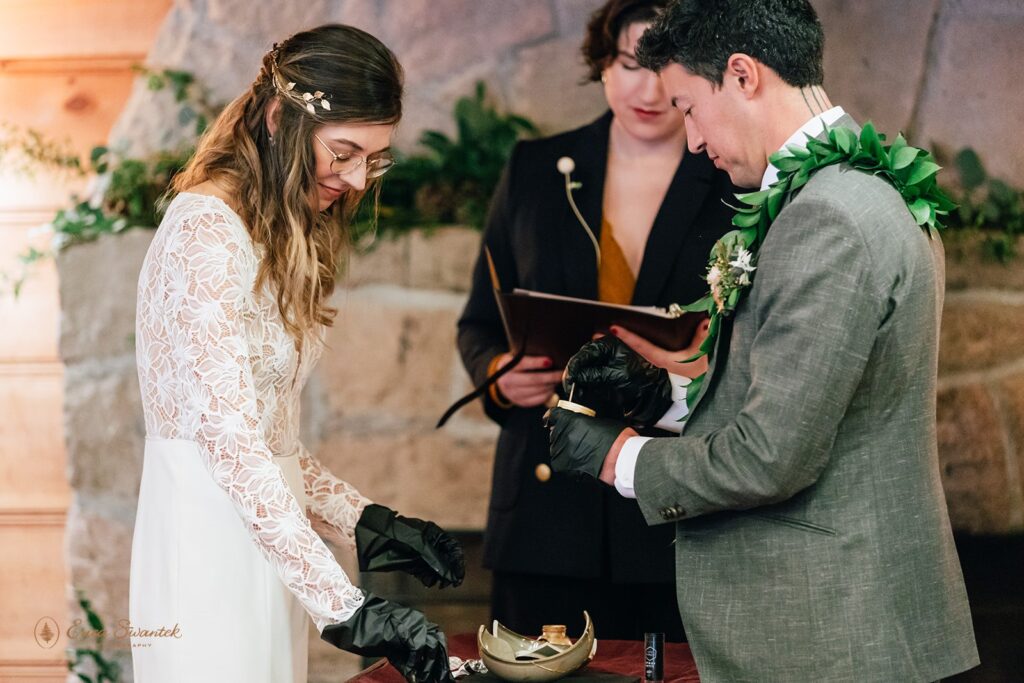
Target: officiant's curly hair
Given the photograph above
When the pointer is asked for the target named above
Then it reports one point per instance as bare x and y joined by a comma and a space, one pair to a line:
701, 35
605, 26
274, 180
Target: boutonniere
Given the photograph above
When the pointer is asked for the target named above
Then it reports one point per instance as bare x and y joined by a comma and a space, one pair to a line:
729, 273
566, 166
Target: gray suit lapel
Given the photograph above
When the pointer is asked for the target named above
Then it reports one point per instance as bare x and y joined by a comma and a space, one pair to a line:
725, 333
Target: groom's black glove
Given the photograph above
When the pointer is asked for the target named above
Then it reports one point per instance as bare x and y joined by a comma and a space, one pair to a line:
610, 376
386, 541
379, 628
580, 443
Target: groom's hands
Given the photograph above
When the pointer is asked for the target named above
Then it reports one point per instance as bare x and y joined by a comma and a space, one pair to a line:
611, 377
386, 541
589, 445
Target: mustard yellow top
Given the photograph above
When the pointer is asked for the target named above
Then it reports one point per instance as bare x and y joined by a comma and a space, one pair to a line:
615, 280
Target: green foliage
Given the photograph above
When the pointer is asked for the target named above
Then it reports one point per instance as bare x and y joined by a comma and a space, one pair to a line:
23, 150
453, 180
87, 660
988, 204
193, 101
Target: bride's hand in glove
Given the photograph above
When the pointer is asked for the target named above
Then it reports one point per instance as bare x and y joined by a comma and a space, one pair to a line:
379, 628
387, 541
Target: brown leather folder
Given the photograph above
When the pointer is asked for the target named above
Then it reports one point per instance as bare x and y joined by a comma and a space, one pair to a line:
557, 326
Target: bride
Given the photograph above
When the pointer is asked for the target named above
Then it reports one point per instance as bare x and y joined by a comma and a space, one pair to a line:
232, 306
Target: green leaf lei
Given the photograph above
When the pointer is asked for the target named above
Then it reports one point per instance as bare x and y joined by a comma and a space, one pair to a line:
733, 258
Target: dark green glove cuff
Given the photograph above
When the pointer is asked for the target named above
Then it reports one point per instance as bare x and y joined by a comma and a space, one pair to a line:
386, 541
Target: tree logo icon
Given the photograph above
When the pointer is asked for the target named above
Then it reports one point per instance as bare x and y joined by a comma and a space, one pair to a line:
47, 633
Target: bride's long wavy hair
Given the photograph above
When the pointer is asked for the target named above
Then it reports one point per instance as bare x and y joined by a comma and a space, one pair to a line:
274, 182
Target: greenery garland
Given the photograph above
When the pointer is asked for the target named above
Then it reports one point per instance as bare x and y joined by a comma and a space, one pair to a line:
910, 170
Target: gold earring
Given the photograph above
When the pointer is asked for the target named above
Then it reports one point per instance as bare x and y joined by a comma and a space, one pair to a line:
604, 77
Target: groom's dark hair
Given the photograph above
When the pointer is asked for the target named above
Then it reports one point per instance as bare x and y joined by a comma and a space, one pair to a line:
701, 35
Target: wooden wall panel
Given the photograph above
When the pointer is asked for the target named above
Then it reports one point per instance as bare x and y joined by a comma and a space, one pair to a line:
73, 107
33, 557
48, 28
30, 321
31, 440
65, 69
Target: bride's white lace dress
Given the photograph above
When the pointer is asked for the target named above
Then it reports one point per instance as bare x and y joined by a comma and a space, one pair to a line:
225, 543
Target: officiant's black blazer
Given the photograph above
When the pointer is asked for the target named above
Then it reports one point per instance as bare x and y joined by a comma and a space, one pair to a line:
569, 527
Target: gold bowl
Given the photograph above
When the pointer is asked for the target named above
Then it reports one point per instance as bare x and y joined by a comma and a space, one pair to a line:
514, 657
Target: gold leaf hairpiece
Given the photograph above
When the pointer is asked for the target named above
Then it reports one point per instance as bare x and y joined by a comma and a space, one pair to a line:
310, 100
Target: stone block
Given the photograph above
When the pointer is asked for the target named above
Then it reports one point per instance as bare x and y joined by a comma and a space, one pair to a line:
387, 262
971, 96
443, 258
434, 38
431, 108
875, 57
419, 472
104, 428
968, 266
390, 354
545, 86
98, 283
362, 14
224, 58
328, 664
980, 332
98, 548
973, 460
268, 21
573, 16
1012, 393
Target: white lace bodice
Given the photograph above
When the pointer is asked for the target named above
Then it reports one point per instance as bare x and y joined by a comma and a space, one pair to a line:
217, 367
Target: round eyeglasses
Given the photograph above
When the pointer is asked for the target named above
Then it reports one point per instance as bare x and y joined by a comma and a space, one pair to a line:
347, 162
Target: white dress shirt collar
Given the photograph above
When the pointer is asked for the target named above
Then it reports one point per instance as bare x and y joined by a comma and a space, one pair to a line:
812, 128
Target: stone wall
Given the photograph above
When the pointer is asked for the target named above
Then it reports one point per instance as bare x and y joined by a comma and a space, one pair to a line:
941, 70
981, 389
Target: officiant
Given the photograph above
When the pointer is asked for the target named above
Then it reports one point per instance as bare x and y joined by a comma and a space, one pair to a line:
651, 211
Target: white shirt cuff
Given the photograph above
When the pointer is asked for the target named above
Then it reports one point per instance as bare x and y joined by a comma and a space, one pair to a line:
670, 421
625, 466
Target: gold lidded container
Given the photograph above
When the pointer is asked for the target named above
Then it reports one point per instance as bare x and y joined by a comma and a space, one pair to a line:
555, 634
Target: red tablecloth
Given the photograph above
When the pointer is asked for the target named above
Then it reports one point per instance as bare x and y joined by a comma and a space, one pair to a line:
624, 657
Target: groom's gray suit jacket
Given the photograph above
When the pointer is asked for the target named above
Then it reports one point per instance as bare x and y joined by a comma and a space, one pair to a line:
812, 537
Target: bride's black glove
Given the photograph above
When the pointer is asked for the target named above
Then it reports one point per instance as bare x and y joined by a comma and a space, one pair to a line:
413, 645
386, 541
618, 382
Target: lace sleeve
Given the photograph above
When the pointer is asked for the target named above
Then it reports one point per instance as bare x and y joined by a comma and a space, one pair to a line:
205, 319
334, 505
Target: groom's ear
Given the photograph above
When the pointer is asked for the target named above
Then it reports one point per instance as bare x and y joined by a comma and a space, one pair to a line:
743, 73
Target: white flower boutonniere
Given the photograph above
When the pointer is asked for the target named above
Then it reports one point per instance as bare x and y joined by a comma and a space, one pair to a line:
729, 273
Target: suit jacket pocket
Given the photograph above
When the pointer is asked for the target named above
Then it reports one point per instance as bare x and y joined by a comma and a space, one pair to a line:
800, 524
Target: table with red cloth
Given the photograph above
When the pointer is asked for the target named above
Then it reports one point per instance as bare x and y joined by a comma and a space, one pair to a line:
623, 657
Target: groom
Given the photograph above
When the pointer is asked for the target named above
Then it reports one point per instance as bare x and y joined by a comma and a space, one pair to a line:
812, 537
